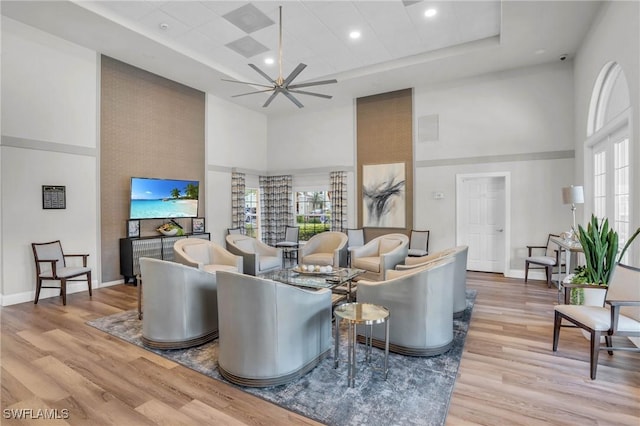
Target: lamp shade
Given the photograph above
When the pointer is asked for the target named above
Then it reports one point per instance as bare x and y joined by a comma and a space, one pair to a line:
573, 195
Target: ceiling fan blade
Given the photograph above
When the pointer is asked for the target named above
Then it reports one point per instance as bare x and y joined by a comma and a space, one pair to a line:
302, 92
273, 95
294, 74
253, 93
292, 98
245, 82
262, 73
312, 83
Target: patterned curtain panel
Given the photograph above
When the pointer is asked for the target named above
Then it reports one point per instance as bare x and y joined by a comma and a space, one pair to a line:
237, 200
338, 188
276, 207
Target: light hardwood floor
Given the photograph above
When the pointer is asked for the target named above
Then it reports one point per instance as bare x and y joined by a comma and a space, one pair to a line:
508, 375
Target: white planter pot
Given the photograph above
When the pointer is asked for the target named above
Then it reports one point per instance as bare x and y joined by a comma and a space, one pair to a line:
594, 296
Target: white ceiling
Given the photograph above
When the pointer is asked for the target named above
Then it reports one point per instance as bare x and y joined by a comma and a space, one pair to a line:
399, 46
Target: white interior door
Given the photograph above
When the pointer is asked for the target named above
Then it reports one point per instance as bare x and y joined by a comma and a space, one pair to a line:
481, 222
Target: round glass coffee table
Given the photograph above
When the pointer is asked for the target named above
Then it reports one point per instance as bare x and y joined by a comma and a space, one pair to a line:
365, 314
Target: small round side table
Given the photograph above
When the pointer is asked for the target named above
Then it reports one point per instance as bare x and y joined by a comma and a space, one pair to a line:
360, 314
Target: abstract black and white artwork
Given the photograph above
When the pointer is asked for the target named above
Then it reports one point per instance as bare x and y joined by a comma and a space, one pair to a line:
383, 195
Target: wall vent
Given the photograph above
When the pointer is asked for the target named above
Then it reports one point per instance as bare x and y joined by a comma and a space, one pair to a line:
428, 130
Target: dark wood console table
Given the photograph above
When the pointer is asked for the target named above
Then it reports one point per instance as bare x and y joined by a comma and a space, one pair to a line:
155, 246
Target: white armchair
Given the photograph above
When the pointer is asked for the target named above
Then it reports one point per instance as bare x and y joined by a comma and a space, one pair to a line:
379, 255
206, 255
257, 256
326, 248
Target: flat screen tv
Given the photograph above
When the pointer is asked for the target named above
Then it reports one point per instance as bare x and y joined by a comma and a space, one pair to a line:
163, 198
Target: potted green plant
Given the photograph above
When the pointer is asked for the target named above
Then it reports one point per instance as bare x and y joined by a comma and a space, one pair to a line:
600, 245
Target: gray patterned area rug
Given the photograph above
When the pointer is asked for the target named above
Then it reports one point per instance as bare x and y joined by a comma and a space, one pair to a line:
416, 392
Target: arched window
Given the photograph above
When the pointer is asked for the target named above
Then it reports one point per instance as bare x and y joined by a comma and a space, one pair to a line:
608, 148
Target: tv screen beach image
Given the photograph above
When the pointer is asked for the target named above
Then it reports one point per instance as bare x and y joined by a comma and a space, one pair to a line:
163, 198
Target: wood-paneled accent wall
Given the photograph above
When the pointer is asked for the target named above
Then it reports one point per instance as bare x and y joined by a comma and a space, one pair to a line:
385, 135
149, 127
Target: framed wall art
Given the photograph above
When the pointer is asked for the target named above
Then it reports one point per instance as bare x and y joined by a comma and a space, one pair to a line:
133, 228
197, 225
384, 195
54, 197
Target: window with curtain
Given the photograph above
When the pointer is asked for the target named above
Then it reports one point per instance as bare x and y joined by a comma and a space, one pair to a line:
338, 194
251, 225
276, 207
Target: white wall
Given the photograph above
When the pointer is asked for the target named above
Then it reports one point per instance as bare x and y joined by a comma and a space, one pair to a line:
50, 93
309, 145
306, 140
519, 111
49, 137
517, 121
236, 139
614, 36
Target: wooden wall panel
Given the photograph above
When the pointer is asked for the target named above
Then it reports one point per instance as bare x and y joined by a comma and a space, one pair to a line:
149, 127
385, 135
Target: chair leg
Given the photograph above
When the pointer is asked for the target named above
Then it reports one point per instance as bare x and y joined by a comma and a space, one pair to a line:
607, 340
89, 282
595, 350
38, 287
556, 330
549, 275
63, 291
526, 271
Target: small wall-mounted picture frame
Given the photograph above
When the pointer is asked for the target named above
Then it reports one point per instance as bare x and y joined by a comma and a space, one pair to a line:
133, 228
197, 225
54, 197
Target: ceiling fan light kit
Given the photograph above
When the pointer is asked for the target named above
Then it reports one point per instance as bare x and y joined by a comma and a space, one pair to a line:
281, 84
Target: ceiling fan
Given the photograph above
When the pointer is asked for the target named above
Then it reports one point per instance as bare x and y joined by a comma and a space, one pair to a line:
283, 85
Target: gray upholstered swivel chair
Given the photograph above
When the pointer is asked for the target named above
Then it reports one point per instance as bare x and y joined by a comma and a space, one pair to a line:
326, 248
421, 305
270, 333
257, 256
459, 254
380, 255
206, 255
180, 305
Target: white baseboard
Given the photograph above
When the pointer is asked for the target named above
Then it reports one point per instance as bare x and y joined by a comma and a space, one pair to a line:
45, 293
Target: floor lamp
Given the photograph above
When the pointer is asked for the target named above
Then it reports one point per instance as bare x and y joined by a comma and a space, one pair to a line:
573, 195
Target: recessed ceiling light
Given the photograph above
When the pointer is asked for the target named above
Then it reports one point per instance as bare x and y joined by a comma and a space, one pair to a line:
164, 26
354, 34
268, 61
429, 13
